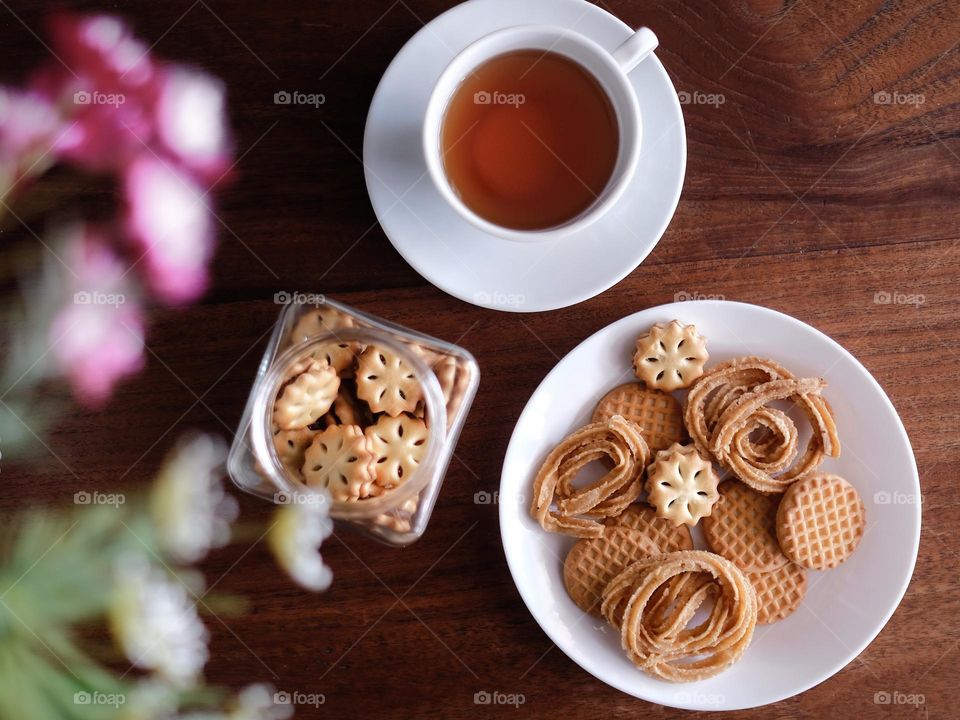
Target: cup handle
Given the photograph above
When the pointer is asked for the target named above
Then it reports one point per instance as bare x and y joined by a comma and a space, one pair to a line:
635, 49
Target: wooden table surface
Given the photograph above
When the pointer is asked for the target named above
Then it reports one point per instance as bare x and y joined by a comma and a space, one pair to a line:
805, 192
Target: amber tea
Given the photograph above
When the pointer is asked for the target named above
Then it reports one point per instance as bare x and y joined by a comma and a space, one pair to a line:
529, 140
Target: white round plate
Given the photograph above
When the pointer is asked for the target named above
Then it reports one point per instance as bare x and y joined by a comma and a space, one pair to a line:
844, 608
489, 271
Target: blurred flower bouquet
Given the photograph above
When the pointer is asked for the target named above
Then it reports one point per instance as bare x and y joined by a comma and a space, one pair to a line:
122, 566
157, 131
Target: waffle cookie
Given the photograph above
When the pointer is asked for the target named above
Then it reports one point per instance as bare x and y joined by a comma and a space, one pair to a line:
742, 527
658, 414
820, 521
779, 593
664, 534
592, 563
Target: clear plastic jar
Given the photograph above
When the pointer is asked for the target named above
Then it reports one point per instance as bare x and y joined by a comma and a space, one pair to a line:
447, 376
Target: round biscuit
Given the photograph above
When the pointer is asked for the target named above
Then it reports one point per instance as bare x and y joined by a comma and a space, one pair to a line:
820, 521
779, 592
664, 534
594, 562
742, 528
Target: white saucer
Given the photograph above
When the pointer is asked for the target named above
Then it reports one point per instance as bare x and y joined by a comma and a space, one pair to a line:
844, 608
482, 269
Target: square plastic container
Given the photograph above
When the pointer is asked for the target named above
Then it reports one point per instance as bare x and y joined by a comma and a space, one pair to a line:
313, 329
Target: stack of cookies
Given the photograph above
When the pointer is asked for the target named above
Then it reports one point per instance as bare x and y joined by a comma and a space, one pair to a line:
774, 516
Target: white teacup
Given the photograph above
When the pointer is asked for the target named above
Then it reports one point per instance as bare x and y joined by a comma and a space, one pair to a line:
610, 69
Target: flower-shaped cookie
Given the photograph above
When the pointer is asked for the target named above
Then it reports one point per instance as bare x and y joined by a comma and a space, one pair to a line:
399, 444
443, 366
322, 321
291, 445
340, 460
681, 485
319, 321
307, 398
387, 383
341, 355
670, 356
348, 409
400, 519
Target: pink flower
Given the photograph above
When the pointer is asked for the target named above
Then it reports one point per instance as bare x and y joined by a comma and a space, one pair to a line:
191, 120
108, 106
104, 137
123, 102
103, 49
107, 95
96, 338
170, 222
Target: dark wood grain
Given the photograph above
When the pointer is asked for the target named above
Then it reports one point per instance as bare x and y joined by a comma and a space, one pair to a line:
802, 193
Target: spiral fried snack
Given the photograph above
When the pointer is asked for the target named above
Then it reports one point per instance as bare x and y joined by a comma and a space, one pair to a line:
652, 601
727, 409
778, 448
717, 388
617, 439
805, 392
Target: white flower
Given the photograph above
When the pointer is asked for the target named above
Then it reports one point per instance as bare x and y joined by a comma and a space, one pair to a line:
190, 508
257, 702
155, 623
150, 699
254, 702
300, 527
